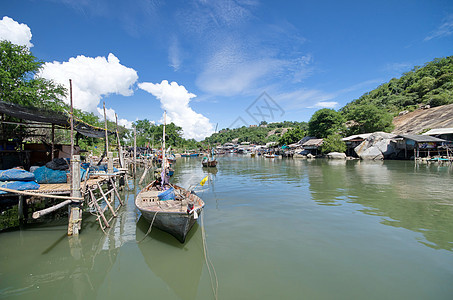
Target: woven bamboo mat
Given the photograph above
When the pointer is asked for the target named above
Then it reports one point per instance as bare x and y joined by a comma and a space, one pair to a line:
50, 188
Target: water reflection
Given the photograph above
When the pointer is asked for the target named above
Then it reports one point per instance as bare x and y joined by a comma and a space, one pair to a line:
179, 265
47, 262
413, 198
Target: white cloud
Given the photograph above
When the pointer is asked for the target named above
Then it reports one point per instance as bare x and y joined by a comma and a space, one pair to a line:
174, 54
110, 114
305, 98
326, 104
92, 79
230, 71
19, 34
445, 29
175, 100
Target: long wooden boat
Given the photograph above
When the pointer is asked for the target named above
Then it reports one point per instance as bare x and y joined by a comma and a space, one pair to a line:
173, 216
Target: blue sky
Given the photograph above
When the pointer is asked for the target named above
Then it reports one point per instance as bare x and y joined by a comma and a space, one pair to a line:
209, 62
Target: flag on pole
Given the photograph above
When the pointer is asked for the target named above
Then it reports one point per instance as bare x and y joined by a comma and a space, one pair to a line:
204, 180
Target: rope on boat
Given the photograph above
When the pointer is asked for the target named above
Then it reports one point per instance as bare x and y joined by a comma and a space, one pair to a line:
209, 263
149, 229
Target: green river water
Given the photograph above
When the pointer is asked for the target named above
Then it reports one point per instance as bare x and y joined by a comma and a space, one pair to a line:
275, 229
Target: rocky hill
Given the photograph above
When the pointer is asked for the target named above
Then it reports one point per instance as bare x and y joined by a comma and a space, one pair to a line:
421, 120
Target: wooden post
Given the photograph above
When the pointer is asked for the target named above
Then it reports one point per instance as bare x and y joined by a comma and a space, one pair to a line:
52, 156
106, 132
72, 119
75, 214
110, 169
20, 208
135, 151
110, 162
120, 150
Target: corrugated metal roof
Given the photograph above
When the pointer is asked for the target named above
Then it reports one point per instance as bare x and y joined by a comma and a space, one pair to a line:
313, 142
438, 131
420, 138
357, 136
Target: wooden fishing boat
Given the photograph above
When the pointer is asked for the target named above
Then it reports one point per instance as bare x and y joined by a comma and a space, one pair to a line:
175, 216
207, 162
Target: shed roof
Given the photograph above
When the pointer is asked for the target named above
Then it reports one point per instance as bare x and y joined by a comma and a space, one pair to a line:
437, 131
420, 138
50, 117
313, 142
356, 137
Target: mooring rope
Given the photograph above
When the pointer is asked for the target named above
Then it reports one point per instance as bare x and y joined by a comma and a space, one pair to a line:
149, 229
209, 263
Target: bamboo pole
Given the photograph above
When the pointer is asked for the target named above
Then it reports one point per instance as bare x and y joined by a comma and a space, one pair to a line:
116, 191
39, 195
98, 208
40, 213
110, 162
135, 151
106, 132
106, 200
21, 207
72, 119
53, 142
120, 150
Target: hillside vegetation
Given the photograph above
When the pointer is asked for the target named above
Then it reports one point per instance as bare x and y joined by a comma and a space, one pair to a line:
430, 85
262, 134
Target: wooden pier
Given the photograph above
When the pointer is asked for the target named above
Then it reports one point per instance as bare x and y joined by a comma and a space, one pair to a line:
98, 194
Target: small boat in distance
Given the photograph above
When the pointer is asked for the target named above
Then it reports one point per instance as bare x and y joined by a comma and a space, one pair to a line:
209, 161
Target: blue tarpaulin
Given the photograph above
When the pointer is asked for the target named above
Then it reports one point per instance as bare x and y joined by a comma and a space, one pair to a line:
19, 185
46, 175
16, 174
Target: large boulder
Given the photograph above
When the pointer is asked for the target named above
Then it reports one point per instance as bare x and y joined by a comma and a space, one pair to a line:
336, 155
378, 145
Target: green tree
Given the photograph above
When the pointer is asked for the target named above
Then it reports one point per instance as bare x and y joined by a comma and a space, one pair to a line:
369, 118
333, 143
19, 82
293, 135
325, 122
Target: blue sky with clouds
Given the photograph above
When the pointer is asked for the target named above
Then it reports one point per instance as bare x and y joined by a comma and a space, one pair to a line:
208, 62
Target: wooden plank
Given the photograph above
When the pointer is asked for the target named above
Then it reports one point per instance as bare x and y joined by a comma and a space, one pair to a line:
39, 195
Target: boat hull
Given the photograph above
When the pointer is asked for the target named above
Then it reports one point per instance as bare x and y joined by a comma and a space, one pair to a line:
176, 224
211, 163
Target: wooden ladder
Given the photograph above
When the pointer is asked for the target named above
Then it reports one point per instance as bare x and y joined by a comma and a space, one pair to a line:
103, 203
